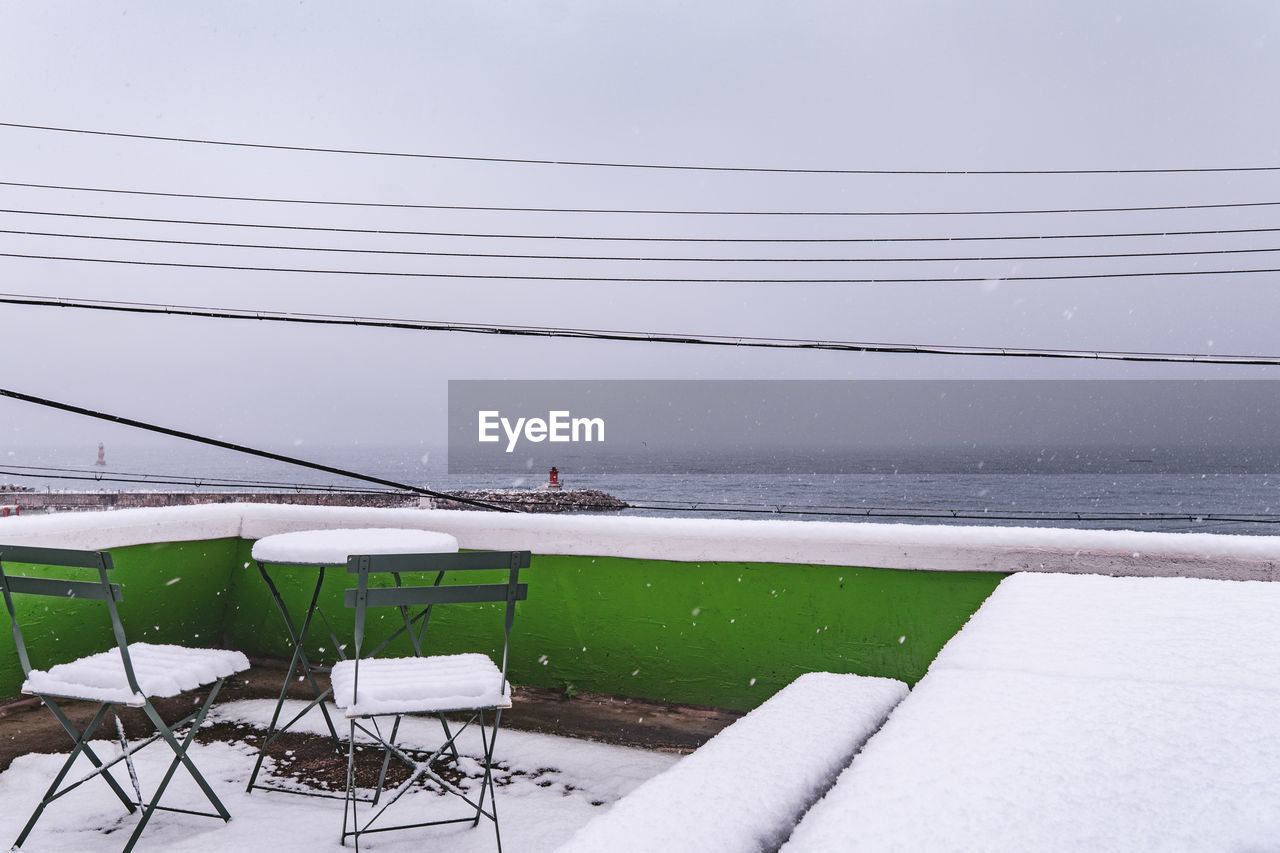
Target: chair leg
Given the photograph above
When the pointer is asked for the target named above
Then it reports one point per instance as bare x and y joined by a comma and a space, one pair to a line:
448, 736
484, 780
349, 806
76, 737
422, 768
180, 757
82, 745
150, 807
487, 784
128, 757
180, 750
386, 759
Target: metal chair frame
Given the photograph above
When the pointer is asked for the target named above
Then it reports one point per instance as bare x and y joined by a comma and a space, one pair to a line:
101, 590
403, 598
297, 636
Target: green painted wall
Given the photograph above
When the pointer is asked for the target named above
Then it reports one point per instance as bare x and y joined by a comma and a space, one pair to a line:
723, 634
173, 592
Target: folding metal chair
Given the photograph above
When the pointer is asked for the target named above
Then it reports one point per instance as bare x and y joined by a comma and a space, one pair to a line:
128, 675
470, 685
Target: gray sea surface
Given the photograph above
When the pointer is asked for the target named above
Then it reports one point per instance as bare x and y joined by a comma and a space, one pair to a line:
1161, 490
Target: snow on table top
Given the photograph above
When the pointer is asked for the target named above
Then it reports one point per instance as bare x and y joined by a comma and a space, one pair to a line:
746, 787
406, 685
1078, 713
334, 546
161, 670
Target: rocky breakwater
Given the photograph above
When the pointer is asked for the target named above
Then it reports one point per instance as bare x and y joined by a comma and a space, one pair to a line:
536, 500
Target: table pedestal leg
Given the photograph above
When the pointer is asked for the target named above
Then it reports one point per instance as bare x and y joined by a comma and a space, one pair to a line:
296, 637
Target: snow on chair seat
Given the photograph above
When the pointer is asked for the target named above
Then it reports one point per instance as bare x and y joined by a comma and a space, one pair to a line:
161, 671
430, 684
746, 788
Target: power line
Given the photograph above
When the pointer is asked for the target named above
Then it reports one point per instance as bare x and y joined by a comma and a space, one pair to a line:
1080, 514
51, 472
620, 165
195, 482
637, 279
239, 448
607, 238
651, 259
635, 336
642, 211
971, 515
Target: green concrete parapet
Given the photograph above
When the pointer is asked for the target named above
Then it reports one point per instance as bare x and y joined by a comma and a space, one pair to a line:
710, 613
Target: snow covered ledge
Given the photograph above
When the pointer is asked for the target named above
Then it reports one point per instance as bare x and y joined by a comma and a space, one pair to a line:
892, 546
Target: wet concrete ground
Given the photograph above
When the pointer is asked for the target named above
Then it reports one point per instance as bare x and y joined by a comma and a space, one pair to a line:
25, 726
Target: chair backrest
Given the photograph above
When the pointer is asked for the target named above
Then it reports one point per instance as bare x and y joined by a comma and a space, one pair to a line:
363, 596
32, 583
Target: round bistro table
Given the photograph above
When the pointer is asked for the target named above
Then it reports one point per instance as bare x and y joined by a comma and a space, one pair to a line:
319, 550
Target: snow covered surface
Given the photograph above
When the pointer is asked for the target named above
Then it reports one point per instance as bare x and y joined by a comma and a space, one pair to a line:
1079, 713
405, 685
549, 787
745, 788
314, 547
908, 546
161, 670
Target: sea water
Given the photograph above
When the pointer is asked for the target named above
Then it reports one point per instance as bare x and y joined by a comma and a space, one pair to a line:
1104, 489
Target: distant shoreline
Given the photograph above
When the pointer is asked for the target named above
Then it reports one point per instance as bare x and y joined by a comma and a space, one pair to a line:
535, 500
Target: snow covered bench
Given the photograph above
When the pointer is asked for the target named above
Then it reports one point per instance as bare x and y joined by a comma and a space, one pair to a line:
1079, 712
746, 788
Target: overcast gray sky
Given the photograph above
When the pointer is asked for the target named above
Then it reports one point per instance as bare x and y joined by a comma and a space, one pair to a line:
904, 85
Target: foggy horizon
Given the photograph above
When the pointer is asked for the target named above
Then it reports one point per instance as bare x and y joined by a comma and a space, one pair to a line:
923, 86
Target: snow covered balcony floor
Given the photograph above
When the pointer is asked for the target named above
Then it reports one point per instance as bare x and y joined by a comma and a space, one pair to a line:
564, 760
549, 787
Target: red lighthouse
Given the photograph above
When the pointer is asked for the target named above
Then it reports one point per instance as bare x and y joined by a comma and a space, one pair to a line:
553, 478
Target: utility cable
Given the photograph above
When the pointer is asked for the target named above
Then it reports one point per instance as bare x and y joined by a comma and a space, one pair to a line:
1081, 514
651, 259
647, 211
52, 472
1000, 515
621, 335
607, 238
239, 448
636, 279
161, 480
618, 165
